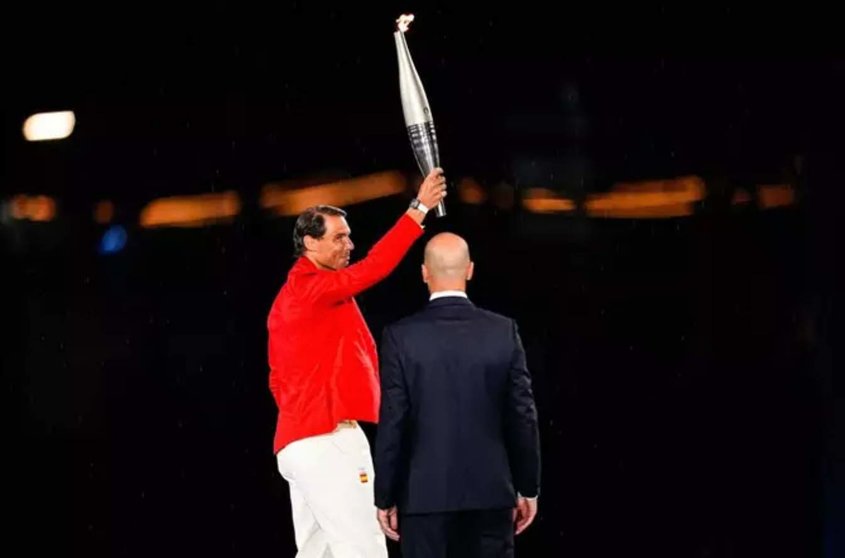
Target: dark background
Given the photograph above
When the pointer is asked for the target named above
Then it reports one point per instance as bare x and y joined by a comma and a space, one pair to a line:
683, 367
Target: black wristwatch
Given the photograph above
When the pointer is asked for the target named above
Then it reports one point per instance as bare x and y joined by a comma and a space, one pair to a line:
418, 205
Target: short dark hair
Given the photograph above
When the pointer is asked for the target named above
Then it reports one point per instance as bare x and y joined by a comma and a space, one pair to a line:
311, 223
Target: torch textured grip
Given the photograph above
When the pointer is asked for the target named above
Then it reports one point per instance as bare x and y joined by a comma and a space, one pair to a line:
424, 144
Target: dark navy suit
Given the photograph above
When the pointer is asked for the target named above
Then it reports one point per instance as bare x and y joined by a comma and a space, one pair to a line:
457, 435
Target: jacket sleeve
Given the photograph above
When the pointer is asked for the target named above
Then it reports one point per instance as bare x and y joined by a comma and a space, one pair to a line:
393, 418
521, 428
382, 259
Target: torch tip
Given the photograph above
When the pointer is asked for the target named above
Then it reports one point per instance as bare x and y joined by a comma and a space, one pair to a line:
404, 22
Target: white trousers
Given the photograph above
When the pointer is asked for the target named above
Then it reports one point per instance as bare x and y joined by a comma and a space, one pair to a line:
331, 495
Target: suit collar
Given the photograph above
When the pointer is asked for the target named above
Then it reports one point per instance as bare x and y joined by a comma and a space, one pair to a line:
449, 301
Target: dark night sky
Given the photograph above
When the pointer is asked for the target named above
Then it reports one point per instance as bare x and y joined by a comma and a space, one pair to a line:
191, 97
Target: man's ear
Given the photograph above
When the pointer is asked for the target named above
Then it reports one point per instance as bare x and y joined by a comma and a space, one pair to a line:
425, 275
470, 270
310, 243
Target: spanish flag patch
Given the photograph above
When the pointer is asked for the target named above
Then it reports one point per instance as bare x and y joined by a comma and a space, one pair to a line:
362, 476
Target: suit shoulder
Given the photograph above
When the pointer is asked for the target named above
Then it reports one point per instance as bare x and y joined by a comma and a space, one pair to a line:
410, 323
403, 324
494, 317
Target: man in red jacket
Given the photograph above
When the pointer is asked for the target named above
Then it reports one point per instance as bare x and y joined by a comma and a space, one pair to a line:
324, 376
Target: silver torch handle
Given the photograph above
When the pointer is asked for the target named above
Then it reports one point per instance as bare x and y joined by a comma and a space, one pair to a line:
417, 113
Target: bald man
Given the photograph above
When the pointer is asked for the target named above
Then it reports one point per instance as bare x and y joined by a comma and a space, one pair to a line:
457, 463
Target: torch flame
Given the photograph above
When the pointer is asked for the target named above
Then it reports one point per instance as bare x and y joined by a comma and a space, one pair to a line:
404, 21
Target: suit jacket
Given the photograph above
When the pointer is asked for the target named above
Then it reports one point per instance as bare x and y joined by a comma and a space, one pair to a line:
323, 363
457, 421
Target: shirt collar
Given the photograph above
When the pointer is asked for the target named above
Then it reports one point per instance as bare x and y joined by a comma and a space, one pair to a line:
441, 294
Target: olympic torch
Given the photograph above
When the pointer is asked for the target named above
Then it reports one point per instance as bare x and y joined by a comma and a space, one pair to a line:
415, 107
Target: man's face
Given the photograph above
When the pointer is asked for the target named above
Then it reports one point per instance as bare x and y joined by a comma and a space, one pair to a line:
332, 251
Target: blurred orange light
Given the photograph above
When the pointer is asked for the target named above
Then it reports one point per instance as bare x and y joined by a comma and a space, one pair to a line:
543, 200
104, 212
287, 201
33, 208
648, 199
471, 192
19, 207
775, 195
191, 211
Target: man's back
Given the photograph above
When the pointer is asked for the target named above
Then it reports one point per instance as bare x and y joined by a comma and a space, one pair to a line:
458, 426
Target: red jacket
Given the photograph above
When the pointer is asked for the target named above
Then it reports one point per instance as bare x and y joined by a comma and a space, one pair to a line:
323, 362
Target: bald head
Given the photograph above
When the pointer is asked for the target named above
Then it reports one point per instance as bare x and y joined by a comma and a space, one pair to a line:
447, 265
